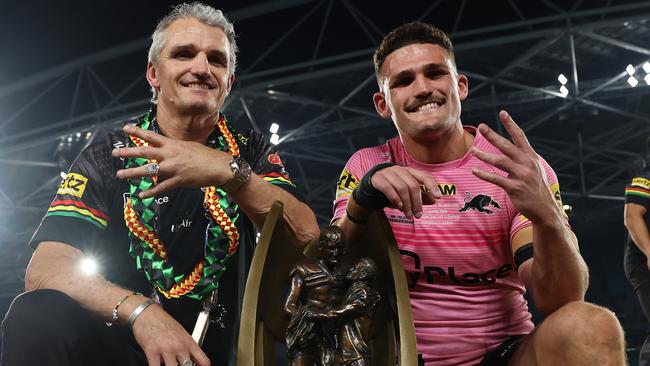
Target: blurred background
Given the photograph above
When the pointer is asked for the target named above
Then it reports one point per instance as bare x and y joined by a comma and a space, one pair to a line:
574, 74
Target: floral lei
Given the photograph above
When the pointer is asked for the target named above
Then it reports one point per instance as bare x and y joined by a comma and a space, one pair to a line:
150, 253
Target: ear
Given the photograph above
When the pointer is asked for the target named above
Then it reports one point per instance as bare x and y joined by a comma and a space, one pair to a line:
231, 83
463, 86
381, 105
152, 76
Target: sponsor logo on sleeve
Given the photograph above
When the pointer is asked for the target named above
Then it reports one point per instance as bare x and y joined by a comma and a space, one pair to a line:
641, 182
73, 185
346, 184
557, 196
555, 189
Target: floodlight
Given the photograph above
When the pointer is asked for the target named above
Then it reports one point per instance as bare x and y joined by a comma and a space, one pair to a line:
562, 79
275, 139
630, 69
647, 79
646, 67
632, 81
274, 128
564, 91
88, 266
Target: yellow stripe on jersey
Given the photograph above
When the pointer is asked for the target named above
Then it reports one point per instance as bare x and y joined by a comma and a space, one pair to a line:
77, 210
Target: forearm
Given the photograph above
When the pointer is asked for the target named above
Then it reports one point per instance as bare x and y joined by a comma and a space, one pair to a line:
346, 310
57, 266
291, 306
558, 273
638, 230
256, 197
352, 223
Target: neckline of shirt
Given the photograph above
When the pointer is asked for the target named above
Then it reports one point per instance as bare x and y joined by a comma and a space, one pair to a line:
405, 159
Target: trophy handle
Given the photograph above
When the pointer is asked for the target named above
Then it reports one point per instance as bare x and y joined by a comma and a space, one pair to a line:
263, 320
408, 346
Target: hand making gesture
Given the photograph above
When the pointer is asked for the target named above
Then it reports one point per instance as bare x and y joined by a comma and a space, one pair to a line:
526, 183
180, 163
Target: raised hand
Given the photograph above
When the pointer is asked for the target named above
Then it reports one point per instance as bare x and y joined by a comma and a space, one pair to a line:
526, 182
182, 163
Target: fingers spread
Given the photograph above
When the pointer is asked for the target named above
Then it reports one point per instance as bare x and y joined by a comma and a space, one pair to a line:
502, 182
140, 171
161, 187
146, 152
149, 136
518, 136
498, 161
500, 142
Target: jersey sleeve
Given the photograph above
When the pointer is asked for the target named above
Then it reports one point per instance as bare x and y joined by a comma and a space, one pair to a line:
79, 210
638, 191
348, 180
265, 161
520, 221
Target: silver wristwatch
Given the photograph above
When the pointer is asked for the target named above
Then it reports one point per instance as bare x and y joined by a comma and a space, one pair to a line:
241, 171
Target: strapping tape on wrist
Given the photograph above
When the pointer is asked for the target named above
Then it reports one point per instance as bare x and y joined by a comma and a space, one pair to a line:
365, 195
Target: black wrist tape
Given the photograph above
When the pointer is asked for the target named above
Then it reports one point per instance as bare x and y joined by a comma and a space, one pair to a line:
524, 253
365, 195
355, 220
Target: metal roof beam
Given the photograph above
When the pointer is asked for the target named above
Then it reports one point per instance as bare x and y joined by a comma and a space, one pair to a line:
136, 45
615, 42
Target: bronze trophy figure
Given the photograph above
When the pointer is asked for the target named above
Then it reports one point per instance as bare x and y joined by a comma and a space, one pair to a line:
354, 315
315, 286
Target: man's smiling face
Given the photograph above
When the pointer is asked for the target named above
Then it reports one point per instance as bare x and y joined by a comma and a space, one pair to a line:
421, 91
192, 75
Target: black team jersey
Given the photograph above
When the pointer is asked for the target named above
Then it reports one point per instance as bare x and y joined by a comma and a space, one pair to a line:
88, 213
637, 192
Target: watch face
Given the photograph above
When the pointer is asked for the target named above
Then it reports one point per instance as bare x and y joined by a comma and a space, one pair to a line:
234, 164
241, 174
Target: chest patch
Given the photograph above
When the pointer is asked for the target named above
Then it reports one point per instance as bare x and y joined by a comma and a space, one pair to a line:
480, 202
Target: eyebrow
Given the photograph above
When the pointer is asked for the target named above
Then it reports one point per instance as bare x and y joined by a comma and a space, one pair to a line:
426, 68
191, 47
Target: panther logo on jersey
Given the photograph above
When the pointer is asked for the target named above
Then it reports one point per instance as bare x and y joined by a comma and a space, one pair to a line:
479, 203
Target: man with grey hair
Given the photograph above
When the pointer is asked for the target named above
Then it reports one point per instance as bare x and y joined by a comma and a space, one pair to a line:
168, 206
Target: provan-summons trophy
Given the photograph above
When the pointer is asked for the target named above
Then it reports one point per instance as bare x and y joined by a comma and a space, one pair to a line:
322, 307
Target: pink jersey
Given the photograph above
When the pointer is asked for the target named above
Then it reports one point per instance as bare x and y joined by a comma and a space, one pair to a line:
466, 295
